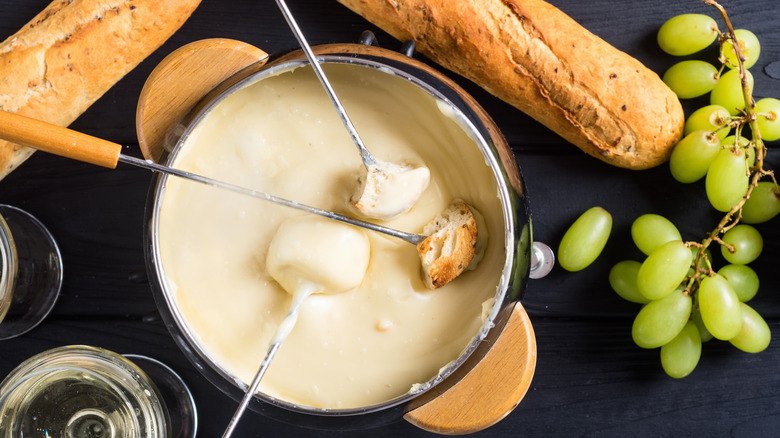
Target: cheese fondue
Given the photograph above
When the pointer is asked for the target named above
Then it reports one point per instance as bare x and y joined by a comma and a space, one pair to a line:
281, 135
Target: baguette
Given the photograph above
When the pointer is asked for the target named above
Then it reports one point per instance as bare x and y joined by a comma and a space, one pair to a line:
72, 52
536, 58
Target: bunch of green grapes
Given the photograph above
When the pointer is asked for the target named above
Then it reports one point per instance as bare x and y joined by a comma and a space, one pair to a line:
686, 301
707, 148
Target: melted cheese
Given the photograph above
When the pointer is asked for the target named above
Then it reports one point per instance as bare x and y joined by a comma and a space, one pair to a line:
374, 342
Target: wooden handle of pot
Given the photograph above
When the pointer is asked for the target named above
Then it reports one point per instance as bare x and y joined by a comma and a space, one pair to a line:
181, 80
491, 390
58, 140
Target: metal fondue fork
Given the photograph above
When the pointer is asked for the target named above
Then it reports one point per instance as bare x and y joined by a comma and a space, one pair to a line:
365, 154
71, 144
368, 160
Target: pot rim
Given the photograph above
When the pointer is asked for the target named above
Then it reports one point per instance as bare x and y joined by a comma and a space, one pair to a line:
512, 250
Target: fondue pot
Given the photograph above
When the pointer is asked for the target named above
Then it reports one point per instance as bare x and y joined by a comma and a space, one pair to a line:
491, 375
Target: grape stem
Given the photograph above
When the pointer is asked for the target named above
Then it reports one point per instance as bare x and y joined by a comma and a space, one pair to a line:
695, 277
750, 104
730, 248
750, 118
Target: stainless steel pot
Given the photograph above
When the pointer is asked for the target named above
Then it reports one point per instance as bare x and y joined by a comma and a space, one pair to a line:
515, 211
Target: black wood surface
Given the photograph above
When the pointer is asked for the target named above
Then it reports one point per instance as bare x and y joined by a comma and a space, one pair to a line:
591, 380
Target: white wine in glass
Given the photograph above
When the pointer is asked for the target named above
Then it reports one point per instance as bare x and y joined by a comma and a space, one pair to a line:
81, 392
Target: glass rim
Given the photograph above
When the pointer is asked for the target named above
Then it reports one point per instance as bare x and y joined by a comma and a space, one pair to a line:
119, 374
8, 267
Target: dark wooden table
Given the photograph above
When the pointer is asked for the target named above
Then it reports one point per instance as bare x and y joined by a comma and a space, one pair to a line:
591, 380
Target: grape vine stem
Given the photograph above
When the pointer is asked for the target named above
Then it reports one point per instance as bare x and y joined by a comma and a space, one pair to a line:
733, 216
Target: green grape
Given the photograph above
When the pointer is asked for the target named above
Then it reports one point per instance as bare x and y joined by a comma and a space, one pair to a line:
659, 321
754, 336
750, 150
650, 231
686, 34
768, 110
692, 78
743, 279
709, 118
763, 204
749, 46
681, 355
585, 239
692, 156
663, 270
704, 334
622, 278
727, 179
747, 243
719, 307
728, 91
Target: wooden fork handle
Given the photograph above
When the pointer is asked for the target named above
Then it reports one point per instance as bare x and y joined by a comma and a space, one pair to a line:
58, 140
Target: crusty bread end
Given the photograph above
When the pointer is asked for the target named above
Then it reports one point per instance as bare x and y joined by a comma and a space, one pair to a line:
71, 53
536, 58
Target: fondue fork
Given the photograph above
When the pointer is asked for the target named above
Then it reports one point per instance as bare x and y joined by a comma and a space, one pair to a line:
72, 144
276, 342
380, 176
365, 154
86, 148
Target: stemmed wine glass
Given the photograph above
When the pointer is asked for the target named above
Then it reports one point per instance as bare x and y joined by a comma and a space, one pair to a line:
30, 272
74, 391
80, 391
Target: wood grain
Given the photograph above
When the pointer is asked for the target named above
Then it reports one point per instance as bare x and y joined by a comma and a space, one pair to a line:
57, 140
491, 390
180, 81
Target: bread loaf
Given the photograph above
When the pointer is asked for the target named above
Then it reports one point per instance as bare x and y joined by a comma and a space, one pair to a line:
536, 58
71, 53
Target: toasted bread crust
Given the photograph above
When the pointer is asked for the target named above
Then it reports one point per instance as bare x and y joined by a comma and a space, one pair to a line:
450, 246
72, 52
536, 58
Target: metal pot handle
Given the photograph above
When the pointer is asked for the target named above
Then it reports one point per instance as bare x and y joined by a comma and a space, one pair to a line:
367, 38
542, 260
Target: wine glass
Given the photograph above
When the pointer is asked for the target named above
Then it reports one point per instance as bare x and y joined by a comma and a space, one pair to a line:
80, 391
30, 272
182, 411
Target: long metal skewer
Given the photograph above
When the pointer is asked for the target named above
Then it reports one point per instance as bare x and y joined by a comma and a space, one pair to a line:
412, 238
365, 154
276, 342
72, 144
368, 160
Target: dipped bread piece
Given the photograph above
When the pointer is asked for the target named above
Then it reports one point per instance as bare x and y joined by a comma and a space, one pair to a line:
536, 58
450, 246
386, 190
